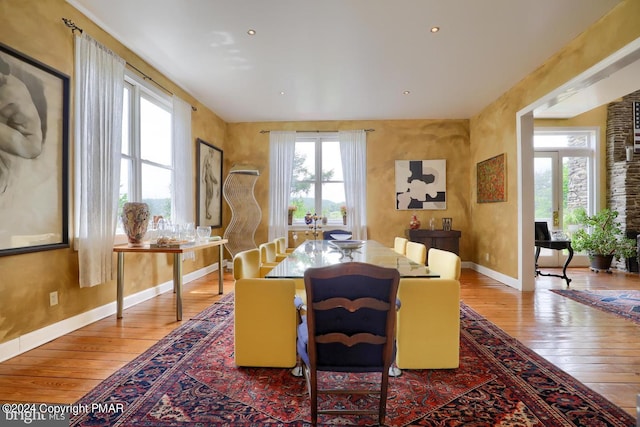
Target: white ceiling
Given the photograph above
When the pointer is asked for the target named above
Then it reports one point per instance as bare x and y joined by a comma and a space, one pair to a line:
344, 59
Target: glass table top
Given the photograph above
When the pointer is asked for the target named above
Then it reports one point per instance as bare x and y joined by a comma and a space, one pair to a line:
321, 253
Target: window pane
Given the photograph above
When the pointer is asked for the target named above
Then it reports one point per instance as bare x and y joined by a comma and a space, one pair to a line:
332, 199
155, 133
124, 196
156, 190
331, 162
543, 140
126, 127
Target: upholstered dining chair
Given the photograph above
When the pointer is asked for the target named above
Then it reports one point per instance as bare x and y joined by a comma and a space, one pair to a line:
349, 327
416, 252
327, 235
281, 248
445, 263
268, 258
246, 264
400, 245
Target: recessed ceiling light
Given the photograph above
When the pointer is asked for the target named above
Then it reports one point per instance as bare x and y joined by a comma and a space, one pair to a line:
406, 92
282, 92
251, 32
435, 29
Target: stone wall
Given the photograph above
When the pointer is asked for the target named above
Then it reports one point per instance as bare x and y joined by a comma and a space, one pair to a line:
623, 178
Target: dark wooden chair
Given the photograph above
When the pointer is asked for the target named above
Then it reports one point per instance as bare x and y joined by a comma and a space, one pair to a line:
349, 327
326, 235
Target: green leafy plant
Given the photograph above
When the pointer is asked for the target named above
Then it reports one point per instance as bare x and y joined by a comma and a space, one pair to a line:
601, 234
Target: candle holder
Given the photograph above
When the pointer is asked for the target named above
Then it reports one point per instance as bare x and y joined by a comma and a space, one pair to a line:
314, 226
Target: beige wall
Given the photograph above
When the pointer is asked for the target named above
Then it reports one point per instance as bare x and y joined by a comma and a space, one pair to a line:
391, 140
493, 130
35, 28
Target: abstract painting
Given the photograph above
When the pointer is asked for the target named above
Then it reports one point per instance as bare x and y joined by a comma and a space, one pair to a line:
492, 180
421, 184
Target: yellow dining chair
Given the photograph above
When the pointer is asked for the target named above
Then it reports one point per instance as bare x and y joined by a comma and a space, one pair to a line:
268, 258
445, 263
281, 248
416, 252
246, 264
400, 245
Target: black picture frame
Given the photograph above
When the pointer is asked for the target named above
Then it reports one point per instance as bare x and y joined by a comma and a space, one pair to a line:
209, 160
34, 159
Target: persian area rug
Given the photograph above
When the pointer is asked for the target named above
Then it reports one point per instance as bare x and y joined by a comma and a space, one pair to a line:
625, 303
189, 379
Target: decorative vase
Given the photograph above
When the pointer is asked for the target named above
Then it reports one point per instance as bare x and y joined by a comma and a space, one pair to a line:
344, 220
135, 219
414, 224
290, 217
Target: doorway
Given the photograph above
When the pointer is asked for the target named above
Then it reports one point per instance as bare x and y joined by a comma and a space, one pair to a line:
565, 165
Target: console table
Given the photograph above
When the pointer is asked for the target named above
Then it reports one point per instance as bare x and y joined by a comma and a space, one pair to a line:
557, 245
177, 268
439, 239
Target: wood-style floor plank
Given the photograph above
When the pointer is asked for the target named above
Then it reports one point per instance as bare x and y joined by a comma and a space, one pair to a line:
597, 348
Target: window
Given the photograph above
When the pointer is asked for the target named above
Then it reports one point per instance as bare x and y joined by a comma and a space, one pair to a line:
317, 185
146, 165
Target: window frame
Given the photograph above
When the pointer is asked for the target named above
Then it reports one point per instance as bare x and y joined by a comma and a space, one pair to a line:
318, 138
140, 89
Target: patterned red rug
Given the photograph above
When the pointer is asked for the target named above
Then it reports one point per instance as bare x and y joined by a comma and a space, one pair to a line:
189, 379
625, 303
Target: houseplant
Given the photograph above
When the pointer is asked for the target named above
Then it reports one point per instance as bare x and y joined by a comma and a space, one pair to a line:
602, 237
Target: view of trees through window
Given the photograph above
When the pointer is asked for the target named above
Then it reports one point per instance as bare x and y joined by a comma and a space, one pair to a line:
320, 193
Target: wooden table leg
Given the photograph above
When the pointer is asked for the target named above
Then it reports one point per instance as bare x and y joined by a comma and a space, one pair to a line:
220, 259
177, 283
120, 285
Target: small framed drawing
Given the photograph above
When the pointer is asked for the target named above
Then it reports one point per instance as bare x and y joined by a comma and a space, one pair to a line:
209, 184
34, 140
492, 179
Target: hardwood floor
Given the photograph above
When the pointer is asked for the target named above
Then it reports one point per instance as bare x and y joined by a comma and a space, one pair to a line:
599, 349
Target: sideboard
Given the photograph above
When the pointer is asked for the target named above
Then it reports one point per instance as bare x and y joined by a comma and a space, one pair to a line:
439, 239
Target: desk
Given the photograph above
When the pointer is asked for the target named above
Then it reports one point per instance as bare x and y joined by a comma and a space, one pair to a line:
321, 253
177, 268
557, 245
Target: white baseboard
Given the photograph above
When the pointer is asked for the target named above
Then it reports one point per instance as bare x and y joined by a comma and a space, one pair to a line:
41, 336
507, 280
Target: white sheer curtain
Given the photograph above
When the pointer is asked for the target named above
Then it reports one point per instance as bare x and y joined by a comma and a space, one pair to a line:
99, 86
282, 147
183, 158
353, 151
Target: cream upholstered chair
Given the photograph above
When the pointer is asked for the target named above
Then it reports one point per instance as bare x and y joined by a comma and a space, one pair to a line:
400, 245
268, 258
246, 264
445, 263
265, 323
416, 252
281, 248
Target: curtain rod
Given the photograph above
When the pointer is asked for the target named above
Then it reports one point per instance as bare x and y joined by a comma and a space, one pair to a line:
69, 23
317, 131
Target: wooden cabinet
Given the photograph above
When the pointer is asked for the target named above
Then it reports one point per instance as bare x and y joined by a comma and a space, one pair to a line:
440, 239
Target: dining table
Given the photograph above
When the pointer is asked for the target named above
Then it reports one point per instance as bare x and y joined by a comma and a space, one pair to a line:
322, 253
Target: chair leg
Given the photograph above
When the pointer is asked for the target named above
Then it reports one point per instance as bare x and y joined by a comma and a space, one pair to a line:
313, 385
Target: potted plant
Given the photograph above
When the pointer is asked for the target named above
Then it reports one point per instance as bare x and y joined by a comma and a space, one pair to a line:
601, 236
343, 212
291, 210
